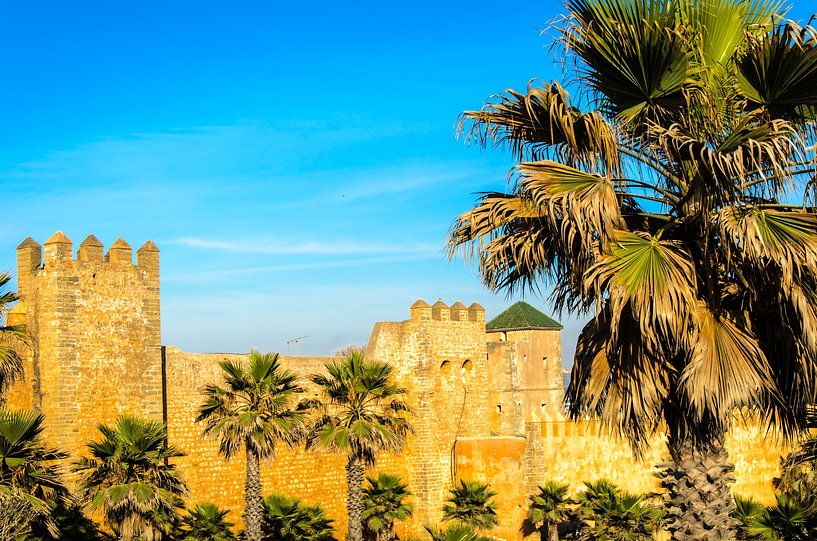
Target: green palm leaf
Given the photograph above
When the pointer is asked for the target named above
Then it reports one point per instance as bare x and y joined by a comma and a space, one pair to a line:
779, 72
637, 57
130, 478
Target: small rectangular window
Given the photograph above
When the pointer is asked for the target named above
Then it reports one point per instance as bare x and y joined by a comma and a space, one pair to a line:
499, 408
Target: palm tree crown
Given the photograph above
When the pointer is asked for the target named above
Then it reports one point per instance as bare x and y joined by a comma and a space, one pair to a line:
672, 202
613, 514
26, 463
130, 479
206, 522
287, 519
364, 411
257, 407
364, 414
471, 503
669, 206
255, 410
550, 507
11, 336
383, 503
455, 532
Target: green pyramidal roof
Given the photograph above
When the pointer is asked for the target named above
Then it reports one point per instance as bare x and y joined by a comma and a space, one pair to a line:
521, 316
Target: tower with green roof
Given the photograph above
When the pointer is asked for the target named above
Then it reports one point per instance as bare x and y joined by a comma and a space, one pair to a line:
525, 368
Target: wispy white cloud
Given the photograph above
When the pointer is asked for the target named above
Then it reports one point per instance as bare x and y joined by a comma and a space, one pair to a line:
218, 274
265, 246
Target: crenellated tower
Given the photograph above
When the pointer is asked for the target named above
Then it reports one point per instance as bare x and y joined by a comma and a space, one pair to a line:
525, 364
440, 355
95, 334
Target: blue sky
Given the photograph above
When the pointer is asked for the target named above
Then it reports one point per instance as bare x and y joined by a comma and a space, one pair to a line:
295, 162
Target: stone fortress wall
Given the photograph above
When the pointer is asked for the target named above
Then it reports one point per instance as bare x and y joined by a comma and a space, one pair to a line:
487, 402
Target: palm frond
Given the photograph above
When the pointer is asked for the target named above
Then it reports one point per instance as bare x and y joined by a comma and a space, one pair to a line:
544, 123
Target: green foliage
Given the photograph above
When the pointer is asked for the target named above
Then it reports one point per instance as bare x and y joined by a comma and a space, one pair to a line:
257, 407
748, 512
798, 480
552, 505
798, 470
205, 522
787, 521
287, 519
673, 202
612, 514
363, 414
364, 411
70, 524
454, 532
22, 516
130, 479
657, 202
11, 338
255, 410
26, 463
471, 503
384, 502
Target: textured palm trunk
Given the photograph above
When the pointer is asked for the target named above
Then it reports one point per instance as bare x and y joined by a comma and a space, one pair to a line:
553, 531
698, 498
354, 501
253, 510
387, 533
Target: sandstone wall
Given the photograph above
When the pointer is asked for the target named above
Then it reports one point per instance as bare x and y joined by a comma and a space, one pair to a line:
95, 336
314, 476
95, 352
500, 461
441, 357
573, 453
525, 379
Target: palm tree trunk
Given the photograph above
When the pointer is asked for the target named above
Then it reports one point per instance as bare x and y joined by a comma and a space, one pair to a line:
354, 501
253, 510
553, 531
698, 498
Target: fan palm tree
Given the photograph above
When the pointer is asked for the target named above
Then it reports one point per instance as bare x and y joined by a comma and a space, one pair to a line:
287, 519
383, 503
550, 507
255, 410
748, 512
129, 478
21, 515
364, 415
206, 522
612, 514
26, 463
471, 503
11, 336
671, 202
454, 532
787, 521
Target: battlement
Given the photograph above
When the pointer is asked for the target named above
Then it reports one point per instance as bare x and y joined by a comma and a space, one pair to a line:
94, 320
439, 311
58, 251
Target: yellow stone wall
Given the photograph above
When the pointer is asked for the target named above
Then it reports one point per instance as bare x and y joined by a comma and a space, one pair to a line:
525, 379
440, 356
578, 452
314, 476
95, 352
95, 336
